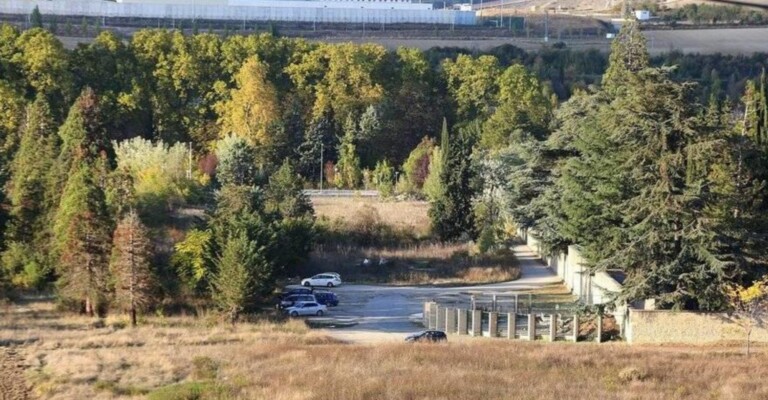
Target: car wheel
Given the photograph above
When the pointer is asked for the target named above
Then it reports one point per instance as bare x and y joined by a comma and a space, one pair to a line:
294, 314
330, 284
307, 284
319, 313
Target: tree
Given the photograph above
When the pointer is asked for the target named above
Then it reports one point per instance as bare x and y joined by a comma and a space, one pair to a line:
252, 107
82, 235
523, 110
451, 214
433, 188
416, 167
750, 306
45, 65
629, 55
285, 194
319, 143
29, 207
191, 259
349, 175
232, 288
384, 178
237, 162
130, 265
35, 18
473, 83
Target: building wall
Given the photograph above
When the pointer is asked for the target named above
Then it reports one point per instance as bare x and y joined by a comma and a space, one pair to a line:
302, 11
662, 326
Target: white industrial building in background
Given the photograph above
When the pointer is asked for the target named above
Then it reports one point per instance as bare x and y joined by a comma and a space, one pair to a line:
317, 11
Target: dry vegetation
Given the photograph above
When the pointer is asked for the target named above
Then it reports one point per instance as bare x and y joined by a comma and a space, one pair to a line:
410, 215
394, 237
168, 358
428, 263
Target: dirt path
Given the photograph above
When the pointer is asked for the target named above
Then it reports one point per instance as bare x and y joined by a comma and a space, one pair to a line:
13, 383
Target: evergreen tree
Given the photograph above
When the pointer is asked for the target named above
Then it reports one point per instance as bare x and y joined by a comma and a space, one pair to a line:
26, 259
285, 194
629, 55
319, 143
82, 235
29, 168
451, 214
130, 265
35, 18
237, 162
232, 288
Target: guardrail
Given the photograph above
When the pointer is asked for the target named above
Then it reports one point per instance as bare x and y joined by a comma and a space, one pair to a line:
341, 193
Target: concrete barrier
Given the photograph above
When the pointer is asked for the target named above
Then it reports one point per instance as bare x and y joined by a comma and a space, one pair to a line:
511, 325
477, 323
462, 318
450, 320
493, 324
531, 327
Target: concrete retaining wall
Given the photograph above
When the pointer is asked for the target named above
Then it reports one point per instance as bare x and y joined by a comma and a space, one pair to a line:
301, 11
591, 288
663, 326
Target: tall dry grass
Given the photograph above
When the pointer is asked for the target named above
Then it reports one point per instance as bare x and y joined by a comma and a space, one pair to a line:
425, 263
409, 215
68, 359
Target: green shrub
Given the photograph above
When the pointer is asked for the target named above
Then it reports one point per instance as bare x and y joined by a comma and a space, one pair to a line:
191, 391
204, 368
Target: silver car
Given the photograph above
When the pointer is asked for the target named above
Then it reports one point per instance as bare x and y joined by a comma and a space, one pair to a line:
308, 308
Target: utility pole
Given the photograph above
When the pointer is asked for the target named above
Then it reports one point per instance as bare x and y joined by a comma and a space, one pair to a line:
189, 165
546, 26
321, 166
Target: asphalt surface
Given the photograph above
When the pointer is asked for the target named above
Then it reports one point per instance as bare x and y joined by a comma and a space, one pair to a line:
386, 313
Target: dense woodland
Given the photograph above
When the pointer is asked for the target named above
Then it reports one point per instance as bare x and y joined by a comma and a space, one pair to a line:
167, 170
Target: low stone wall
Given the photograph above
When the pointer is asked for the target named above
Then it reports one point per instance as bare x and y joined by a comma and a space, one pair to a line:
663, 326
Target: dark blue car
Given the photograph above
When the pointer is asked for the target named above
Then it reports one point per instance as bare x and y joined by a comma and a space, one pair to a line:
292, 290
327, 298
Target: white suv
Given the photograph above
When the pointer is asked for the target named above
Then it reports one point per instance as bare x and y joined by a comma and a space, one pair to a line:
308, 308
329, 280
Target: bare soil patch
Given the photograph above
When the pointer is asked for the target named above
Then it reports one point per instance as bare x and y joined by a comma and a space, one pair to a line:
13, 382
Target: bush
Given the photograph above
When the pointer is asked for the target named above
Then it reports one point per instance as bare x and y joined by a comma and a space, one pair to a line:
190, 391
204, 368
632, 374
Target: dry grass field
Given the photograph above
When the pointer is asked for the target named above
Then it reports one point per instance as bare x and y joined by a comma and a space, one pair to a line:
400, 251
66, 357
410, 215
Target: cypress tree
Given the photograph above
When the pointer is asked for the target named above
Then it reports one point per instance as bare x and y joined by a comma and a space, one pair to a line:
451, 214
35, 18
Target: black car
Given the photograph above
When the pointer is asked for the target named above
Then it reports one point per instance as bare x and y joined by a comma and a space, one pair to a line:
293, 290
427, 336
328, 299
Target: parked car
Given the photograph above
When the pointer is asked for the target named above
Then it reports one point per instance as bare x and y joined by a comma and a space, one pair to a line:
322, 280
327, 298
295, 289
308, 308
336, 274
290, 301
427, 336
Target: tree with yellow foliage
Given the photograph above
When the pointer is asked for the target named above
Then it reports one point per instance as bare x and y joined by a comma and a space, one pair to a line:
749, 304
252, 107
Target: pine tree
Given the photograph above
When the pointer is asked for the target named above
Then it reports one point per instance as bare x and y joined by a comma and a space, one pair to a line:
29, 169
285, 194
130, 265
629, 55
82, 236
451, 214
36, 19
241, 268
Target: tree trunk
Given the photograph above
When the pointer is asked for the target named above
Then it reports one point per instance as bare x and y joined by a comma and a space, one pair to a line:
133, 317
88, 307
